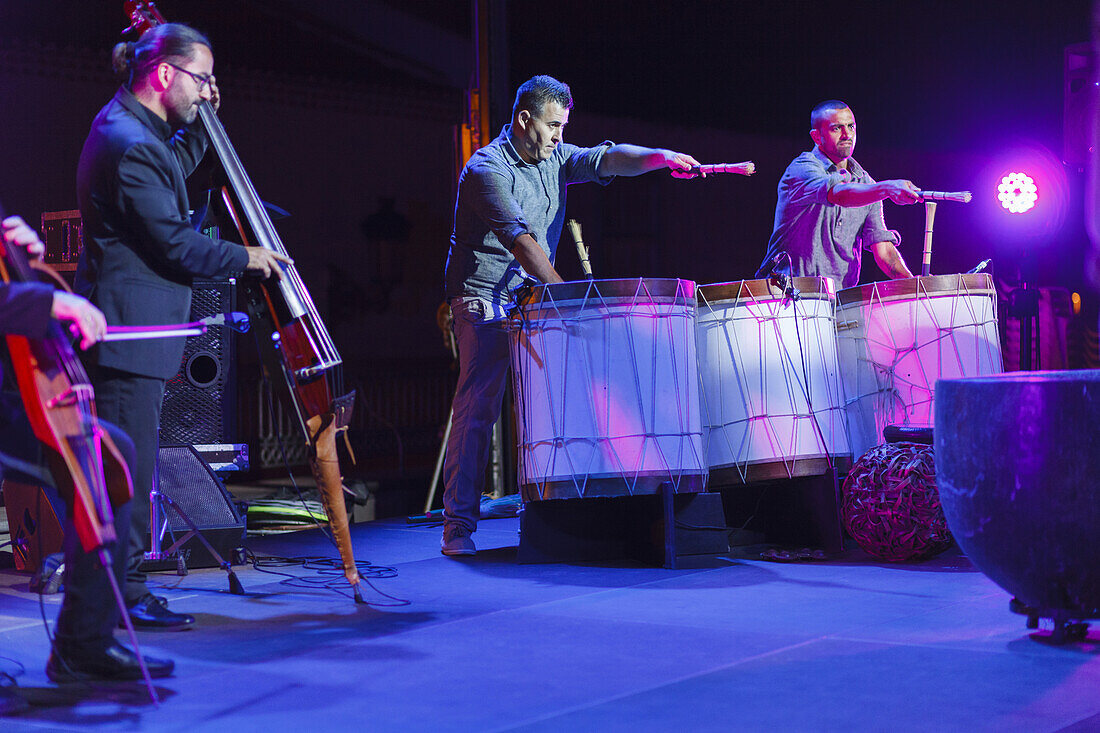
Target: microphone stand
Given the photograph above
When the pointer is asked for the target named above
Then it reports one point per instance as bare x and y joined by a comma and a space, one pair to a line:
159, 502
782, 280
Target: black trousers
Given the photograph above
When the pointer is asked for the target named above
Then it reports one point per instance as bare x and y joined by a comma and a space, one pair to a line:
89, 613
133, 402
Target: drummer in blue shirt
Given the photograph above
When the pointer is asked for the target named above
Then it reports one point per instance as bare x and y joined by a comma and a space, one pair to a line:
508, 219
829, 208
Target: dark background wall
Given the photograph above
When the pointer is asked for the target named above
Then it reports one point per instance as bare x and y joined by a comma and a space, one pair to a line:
335, 106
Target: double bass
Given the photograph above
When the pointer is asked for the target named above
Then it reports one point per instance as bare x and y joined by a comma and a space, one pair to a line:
88, 468
294, 341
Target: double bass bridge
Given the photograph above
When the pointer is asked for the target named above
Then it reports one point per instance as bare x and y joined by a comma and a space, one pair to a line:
309, 373
71, 396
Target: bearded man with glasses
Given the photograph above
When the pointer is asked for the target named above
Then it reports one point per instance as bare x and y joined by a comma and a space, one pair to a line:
141, 251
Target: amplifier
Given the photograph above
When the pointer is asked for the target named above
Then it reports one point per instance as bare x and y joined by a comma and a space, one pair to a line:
224, 457
200, 402
63, 235
185, 478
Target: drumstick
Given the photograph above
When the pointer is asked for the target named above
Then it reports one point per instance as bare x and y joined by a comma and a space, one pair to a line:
963, 197
929, 217
582, 251
745, 169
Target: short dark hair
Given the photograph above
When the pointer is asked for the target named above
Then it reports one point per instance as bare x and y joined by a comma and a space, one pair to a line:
822, 107
534, 93
165, 42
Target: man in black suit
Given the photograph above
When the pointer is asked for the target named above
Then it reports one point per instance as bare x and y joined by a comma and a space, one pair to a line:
84, 646
141, 252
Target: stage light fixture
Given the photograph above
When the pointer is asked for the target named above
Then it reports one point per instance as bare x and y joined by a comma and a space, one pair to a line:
1017, 192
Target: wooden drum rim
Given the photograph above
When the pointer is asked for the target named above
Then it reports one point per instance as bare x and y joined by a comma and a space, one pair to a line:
913, 288
811, 288
577, 292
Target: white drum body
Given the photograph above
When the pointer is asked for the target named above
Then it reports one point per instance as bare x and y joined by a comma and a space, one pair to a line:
606, 386
772, 400
896, 338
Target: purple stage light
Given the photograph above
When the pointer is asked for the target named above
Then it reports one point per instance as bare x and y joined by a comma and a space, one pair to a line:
1017, 192
1024, 197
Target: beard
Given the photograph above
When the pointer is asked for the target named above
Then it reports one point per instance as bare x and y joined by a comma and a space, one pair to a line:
181, 107
183, 115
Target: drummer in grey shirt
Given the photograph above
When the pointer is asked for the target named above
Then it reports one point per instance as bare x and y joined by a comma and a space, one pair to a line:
508, 218
829, 209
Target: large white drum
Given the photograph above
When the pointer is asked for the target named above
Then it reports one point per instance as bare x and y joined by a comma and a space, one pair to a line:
897, 337
772, 405
606, 385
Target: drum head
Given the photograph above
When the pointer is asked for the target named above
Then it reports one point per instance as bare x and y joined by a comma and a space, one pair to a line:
812, 288
652, 290
980, 283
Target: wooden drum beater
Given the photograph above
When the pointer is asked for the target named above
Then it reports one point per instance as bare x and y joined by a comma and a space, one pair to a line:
574, 227
930, 199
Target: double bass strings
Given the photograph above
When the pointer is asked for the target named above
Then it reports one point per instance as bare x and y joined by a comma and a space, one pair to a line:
293, 288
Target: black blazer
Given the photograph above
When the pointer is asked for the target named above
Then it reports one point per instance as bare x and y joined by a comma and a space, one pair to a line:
140, 250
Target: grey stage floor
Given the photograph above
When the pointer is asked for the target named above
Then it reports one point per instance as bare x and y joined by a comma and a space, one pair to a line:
486, 644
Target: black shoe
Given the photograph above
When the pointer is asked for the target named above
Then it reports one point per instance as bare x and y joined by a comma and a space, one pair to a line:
112, 662
151, 612
10, 702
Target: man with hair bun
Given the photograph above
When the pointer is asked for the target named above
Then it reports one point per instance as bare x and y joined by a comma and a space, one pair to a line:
508, 218
830, 209
141, 252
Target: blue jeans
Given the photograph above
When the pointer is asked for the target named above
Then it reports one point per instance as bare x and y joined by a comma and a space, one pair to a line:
482, 338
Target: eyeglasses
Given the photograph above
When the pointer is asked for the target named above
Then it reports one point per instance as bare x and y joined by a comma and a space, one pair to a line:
201, 80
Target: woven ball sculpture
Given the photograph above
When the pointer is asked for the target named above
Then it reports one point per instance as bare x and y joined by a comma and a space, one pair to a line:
891, 506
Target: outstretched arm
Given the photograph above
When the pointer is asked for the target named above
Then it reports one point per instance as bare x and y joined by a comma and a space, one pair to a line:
634, 160
862, 194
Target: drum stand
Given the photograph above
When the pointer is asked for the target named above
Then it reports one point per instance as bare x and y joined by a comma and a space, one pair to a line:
601, 528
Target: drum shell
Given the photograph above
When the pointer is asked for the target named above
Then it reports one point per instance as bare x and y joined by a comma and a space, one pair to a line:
606, 383
896, 338
1017, 465
760, 354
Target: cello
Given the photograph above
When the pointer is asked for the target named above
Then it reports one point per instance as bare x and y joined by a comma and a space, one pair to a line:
87, 466
293, 339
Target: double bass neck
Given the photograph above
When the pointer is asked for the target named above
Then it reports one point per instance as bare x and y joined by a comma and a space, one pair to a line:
256, 229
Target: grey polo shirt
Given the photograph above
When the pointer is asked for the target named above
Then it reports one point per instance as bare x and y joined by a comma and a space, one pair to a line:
823, 239
501, 197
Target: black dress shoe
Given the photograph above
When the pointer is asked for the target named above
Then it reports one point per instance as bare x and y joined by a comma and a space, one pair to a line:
151, 612
110, 662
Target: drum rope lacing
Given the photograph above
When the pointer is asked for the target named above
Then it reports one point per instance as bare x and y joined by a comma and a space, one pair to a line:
901, 398
575, 313
767, 415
